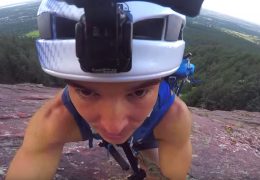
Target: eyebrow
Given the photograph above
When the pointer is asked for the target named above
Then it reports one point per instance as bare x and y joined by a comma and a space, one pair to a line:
146, 84
76, 85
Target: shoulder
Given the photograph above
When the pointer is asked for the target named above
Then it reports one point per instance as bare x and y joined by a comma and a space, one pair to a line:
175, 126
51, 124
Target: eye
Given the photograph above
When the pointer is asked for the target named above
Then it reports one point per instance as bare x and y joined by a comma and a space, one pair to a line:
139, 93
86, 92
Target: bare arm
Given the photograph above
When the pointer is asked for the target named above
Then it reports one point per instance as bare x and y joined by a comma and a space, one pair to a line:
175, 150
47, 132
30, 163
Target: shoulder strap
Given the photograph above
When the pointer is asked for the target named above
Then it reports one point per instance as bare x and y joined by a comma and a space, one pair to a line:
164, 102
84, 128
166, 98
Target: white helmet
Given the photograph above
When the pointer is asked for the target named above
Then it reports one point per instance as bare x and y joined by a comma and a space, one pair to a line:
157, 45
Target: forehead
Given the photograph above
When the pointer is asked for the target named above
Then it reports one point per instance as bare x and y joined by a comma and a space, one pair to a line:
121, 85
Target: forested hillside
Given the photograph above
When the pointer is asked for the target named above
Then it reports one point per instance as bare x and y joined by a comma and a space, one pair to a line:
18, 20
228, 66
18, 58
227, 59
18, 62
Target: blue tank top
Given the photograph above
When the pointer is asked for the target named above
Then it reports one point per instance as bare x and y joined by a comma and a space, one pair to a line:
143, 137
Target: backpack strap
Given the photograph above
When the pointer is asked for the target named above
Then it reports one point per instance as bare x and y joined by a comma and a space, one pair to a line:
143, 137
84, 128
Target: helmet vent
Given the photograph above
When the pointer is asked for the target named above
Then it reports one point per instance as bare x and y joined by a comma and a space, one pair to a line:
150, 29
52, 26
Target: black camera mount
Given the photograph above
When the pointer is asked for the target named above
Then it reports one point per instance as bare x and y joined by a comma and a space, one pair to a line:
104, 37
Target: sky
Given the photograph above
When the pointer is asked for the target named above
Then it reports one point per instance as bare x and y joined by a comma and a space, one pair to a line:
248, 10
10, 2
244, 9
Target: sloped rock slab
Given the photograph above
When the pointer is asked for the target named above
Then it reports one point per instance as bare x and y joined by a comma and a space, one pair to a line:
225, 146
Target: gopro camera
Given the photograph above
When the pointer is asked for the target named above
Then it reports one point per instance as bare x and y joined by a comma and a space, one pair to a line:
104, 37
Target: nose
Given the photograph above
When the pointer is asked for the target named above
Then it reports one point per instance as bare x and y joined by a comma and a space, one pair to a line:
113, 116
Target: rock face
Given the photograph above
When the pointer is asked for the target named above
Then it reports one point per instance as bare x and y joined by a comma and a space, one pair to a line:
226, 145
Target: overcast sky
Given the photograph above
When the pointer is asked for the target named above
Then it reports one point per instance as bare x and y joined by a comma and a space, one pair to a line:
248, 10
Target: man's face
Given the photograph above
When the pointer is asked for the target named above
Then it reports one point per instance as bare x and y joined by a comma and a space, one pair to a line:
114, 110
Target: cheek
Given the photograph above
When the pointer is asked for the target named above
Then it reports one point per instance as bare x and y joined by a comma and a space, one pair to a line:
140, 111
86, 110
83, 107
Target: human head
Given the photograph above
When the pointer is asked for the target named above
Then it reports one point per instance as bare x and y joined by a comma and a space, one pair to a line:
154, 55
